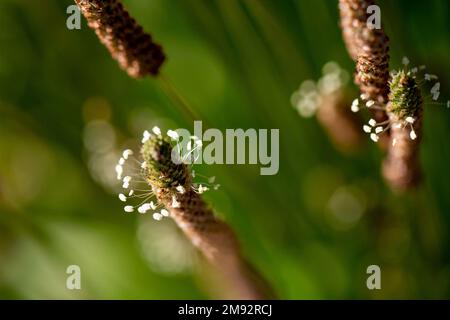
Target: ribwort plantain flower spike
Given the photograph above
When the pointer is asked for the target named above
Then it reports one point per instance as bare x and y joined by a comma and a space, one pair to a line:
166, 176
369, 48
401, 168
125, 39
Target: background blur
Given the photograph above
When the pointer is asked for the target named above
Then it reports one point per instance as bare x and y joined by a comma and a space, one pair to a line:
66, 111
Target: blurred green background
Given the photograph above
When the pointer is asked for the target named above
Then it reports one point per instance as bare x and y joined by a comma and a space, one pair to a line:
66, 111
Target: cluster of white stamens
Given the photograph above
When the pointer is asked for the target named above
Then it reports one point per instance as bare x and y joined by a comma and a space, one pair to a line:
375, 129
133, 182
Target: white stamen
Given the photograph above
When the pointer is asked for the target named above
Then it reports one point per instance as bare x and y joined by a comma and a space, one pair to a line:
146, 136
405, 61
152, 205
374, 137
372, 122
394, 142
202, 189
127, 179
131, 193
173, 134
379, 130
128, 209
156, 131
121, 161
175, 203
364, 96
367, 129
143, 209
122, 197
157, 216
410, 120
164, 213
119, 171
180, 189
413, 135
127, 153
370, 103
435, 91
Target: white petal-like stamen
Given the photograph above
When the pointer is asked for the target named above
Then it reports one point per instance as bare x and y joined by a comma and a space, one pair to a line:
405, 61
173, 134
122, 197
125, 185
202, 189
119, 171
175, 203
156, 130
146, 135
164, 213
435, 91
157, 216
410, 120
131, 193
152, 205
128, 209
121, 161
370, 103
364, 96
367, 128
374, 137
142, 209
413, 135
394, 142
372, 122
127, 153
180, 189
379, 130
127, 179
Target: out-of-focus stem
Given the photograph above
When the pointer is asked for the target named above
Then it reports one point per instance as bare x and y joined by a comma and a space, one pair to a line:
342, 125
